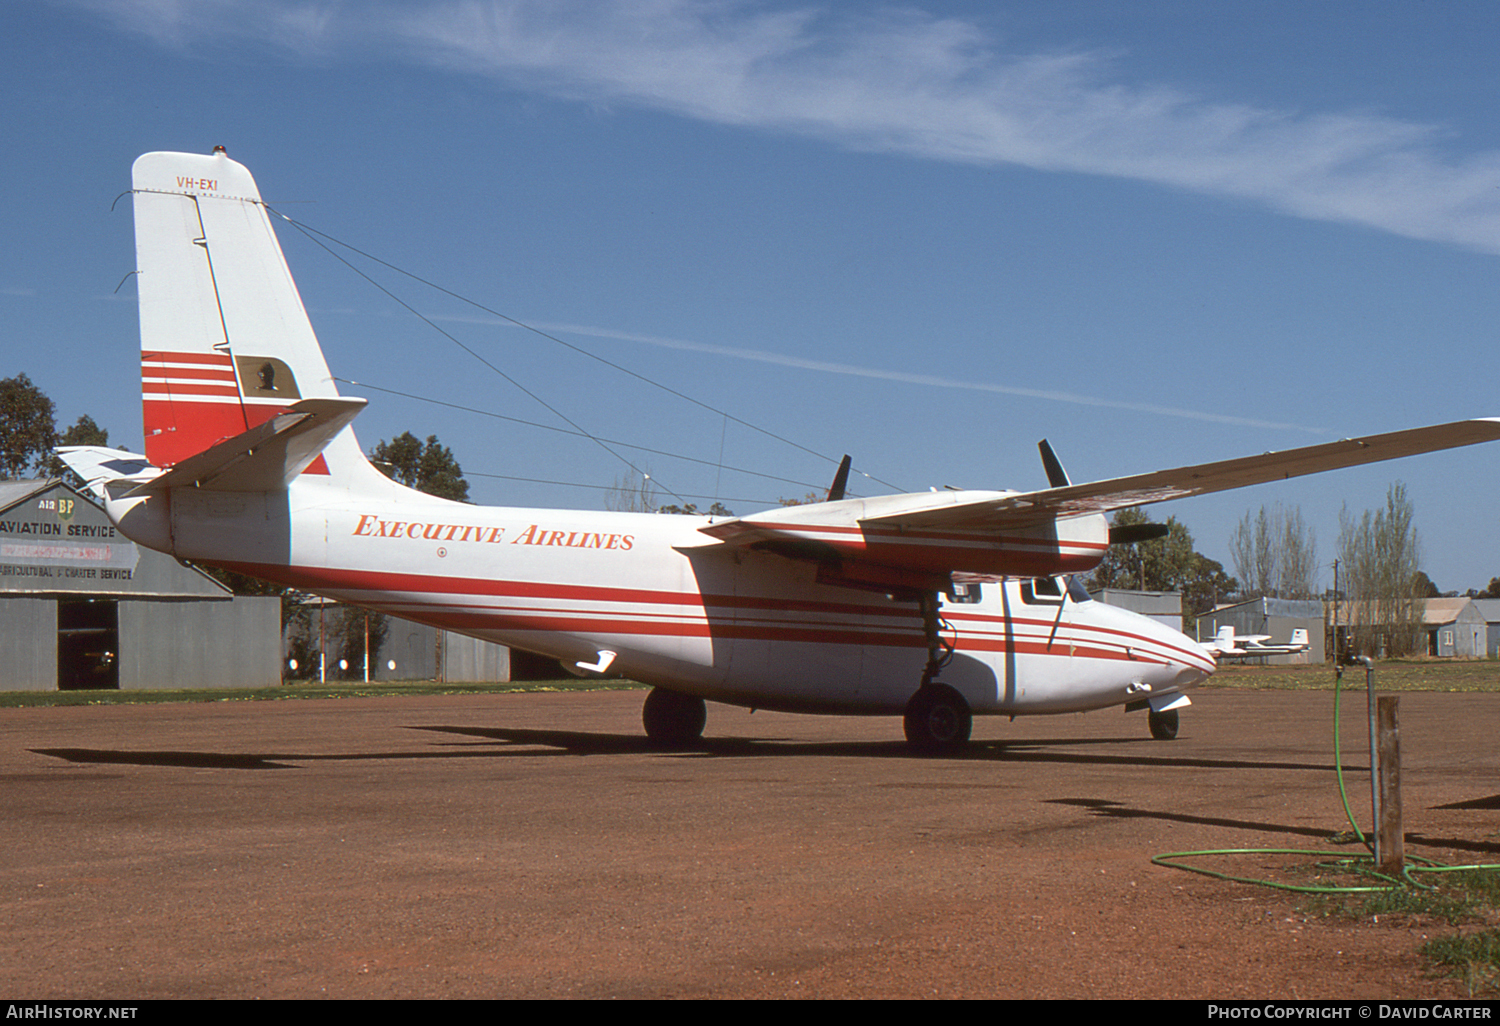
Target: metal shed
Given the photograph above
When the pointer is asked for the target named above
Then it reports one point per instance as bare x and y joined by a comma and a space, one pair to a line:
82, 606
397, 649
1455, 628
1165, 607
1490, 610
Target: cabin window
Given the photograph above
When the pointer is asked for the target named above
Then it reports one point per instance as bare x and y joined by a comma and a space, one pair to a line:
964, 594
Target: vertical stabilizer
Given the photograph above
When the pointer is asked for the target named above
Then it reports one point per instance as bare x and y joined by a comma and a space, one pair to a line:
225, 342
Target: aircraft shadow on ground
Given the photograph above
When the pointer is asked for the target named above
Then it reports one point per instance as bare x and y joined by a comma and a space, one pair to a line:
1118, 810
513, 742
575, 742
188, 760
517, 742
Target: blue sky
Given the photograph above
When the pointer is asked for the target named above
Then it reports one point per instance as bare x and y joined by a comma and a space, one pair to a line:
928, 233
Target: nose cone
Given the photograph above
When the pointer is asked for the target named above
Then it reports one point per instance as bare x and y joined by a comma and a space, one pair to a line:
1162, 659
1185, 663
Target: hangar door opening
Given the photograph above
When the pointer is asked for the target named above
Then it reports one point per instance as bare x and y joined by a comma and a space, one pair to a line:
88, 645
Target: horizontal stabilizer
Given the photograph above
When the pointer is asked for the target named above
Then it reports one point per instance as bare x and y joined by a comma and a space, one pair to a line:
265, 458
98, 465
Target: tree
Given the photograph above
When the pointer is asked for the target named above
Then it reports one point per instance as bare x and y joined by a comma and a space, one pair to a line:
691, 509
428, 468
632, 493
1164, 564
27, 430
85, 432
1423, 588
1379, 575
1275, 554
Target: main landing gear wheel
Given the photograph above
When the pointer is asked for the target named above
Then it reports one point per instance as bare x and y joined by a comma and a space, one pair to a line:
672, 719
1163, 724
938, 720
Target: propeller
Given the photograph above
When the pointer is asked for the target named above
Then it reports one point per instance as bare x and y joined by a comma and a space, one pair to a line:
840, 481
1124, 534
1129, 534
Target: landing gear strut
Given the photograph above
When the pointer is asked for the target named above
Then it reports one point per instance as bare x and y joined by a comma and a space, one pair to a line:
672, 719
937, 717
939, 650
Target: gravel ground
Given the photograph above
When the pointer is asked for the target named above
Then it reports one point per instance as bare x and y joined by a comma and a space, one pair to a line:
530, 845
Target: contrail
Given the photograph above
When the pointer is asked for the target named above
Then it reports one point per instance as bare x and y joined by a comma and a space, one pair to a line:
907, 377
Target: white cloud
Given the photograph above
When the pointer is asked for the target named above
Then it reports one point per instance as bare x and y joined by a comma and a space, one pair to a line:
900, 81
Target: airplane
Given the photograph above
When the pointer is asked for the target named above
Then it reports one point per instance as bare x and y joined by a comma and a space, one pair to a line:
1228, 645
933, 606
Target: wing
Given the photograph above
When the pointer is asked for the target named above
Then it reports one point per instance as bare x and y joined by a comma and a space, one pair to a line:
1027, 508
1055, 530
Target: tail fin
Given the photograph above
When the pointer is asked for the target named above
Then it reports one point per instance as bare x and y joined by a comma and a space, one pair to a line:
225, 342
1222, 642
1299, 637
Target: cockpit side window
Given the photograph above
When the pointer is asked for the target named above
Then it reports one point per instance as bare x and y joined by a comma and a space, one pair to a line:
1042, 591
1045, 591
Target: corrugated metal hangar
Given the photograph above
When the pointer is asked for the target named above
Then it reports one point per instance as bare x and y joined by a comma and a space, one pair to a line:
399, 649
82, 606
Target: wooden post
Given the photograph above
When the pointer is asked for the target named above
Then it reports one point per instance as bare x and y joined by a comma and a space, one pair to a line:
1390, 843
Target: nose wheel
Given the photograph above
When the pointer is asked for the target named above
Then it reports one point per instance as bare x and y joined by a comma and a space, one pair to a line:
1163, 724
672, 719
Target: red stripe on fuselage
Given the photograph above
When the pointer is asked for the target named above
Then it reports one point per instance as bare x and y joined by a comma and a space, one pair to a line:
441, 600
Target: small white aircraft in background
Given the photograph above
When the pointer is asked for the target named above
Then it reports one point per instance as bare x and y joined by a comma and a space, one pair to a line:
933, 605
1228, 645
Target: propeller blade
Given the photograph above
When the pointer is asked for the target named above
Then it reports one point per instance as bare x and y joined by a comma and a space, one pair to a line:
1057, 477
1129, 534
840, 481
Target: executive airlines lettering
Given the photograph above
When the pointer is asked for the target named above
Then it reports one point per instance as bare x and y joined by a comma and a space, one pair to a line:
535, 535
371, 526
374, 527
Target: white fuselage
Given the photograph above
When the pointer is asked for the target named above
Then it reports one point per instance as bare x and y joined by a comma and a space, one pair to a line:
680, 610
